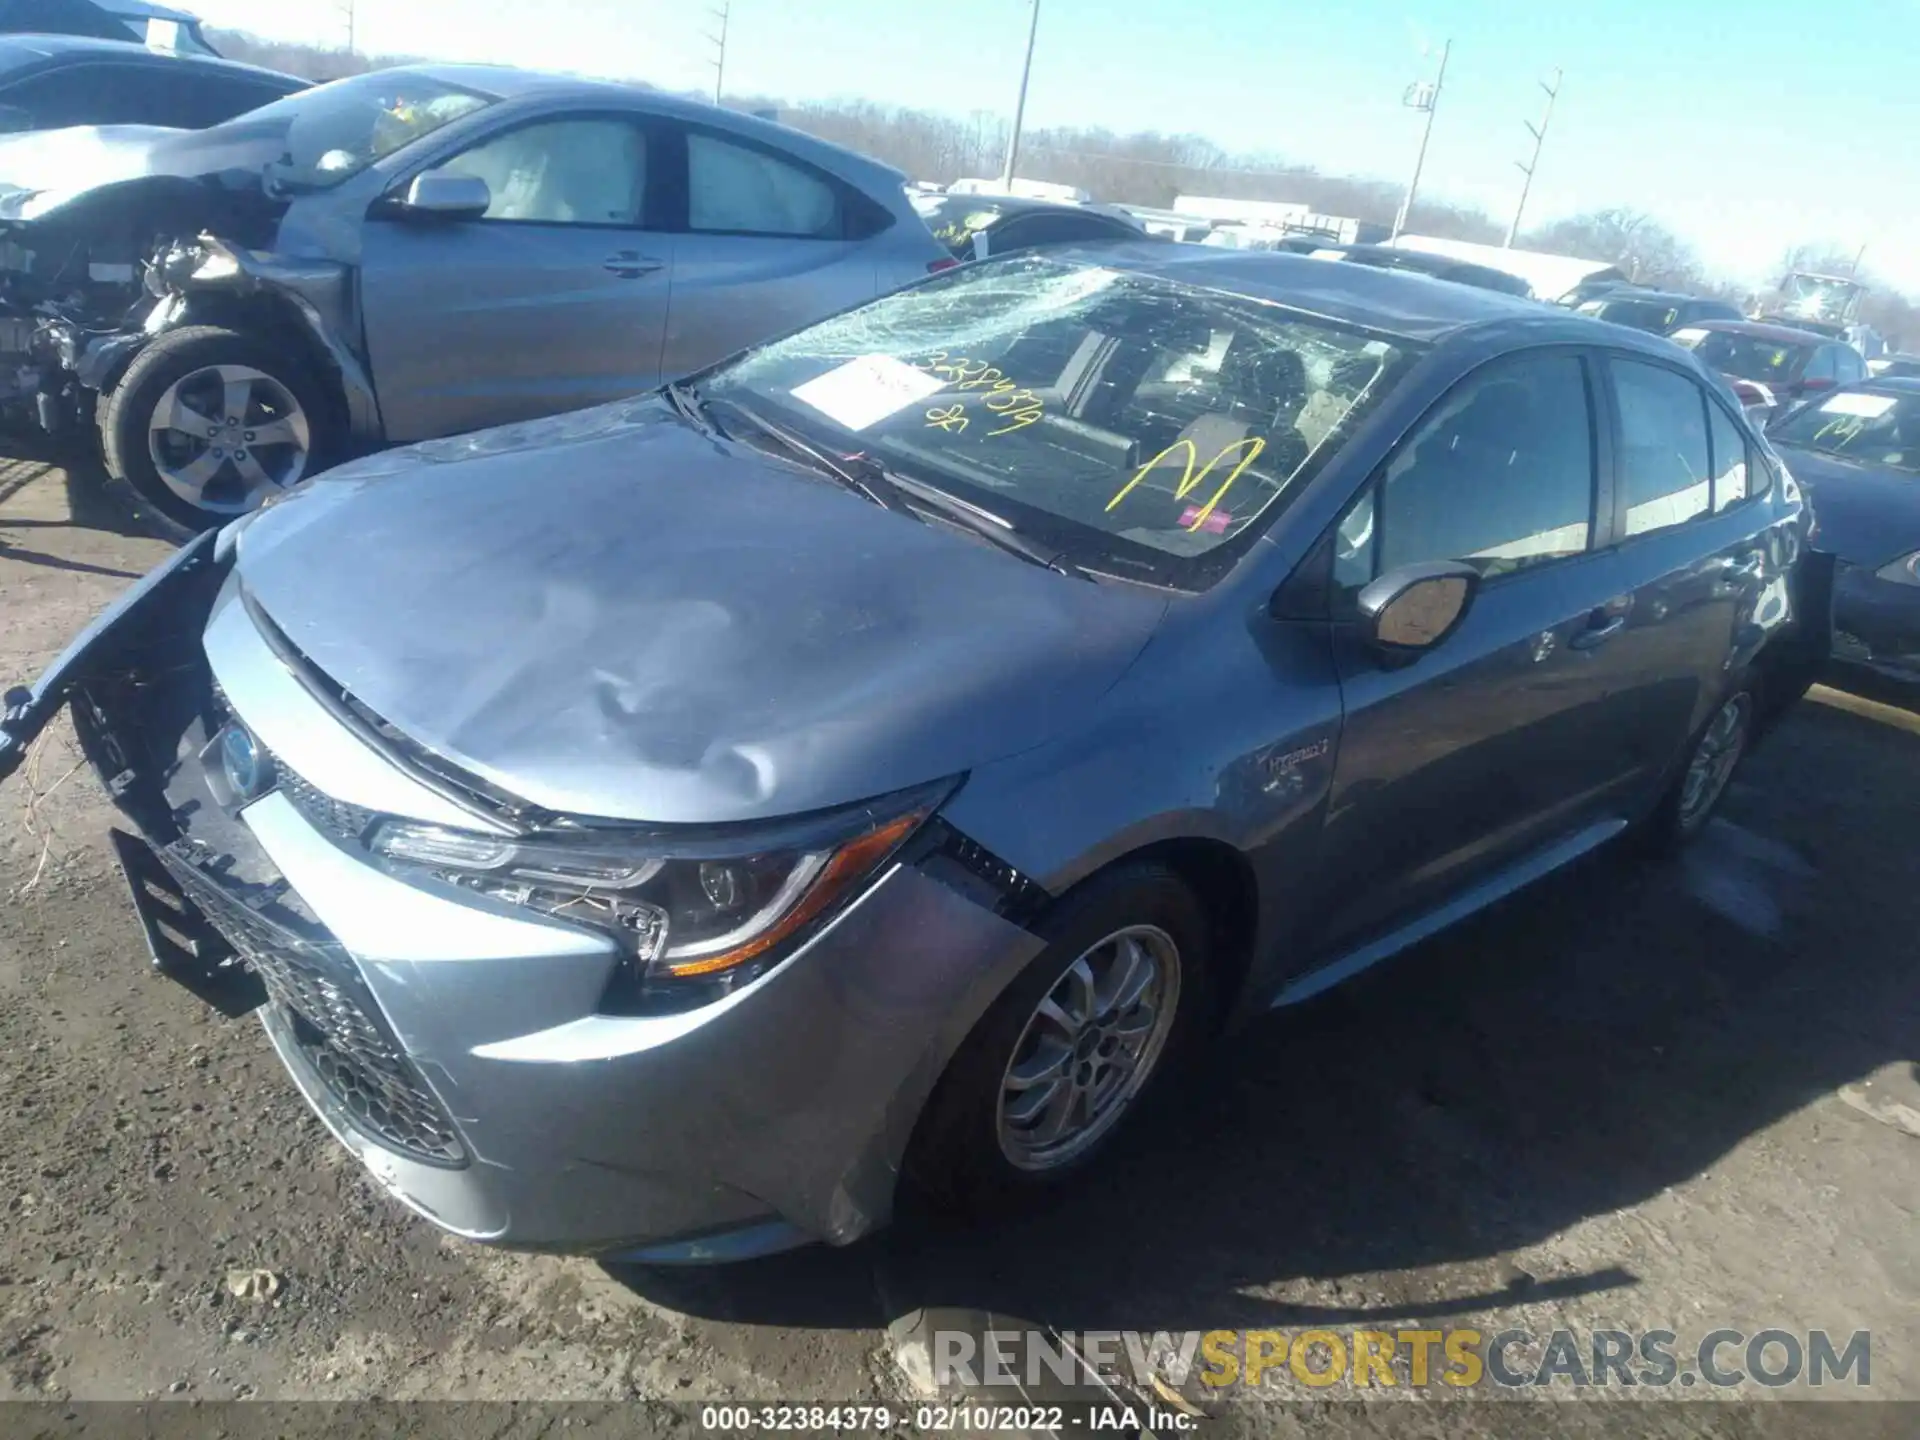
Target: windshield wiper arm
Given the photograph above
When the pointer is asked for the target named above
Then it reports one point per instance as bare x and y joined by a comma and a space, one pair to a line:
890, 490
688, 405
814, 455
973, 518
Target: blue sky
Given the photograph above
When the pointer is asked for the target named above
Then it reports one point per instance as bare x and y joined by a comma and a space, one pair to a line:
1745, 125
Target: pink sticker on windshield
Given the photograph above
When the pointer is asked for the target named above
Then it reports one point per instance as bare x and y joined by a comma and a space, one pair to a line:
1216, 522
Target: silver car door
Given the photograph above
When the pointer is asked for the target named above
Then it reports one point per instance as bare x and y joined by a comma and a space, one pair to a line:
769, 244
556, 298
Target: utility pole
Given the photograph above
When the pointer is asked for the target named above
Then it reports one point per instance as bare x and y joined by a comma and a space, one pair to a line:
720, 47
1539, 139
346, 11
1020, 103
1853, 271
1423, 96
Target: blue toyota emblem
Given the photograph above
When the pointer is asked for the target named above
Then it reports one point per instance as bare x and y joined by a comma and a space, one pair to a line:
246, 766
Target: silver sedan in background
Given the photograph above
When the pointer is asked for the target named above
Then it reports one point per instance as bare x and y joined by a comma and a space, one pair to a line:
409, 254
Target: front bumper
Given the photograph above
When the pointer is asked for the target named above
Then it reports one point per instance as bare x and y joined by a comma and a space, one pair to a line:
1876, 623
457, 1045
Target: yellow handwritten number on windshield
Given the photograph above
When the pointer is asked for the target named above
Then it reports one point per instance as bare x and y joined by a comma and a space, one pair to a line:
953, 419
1190, 481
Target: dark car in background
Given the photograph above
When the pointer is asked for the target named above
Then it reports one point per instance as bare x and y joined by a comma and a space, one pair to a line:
883, 759
1771, 367
976, 226
52, 82
1440, 267
1895, 367
1857, 454
158, 26
1658, 312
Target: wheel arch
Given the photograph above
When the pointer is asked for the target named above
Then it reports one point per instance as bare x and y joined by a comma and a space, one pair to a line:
1223, 881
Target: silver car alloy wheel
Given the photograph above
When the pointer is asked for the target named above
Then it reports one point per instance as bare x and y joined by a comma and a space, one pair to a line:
224, 437
1714, 757
1088, 1048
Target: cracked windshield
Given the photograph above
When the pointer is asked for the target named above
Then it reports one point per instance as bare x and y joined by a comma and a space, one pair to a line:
700, 700
1144, 415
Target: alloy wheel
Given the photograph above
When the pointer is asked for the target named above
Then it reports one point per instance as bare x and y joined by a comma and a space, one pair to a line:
224, 437
1719, 749
1088, 1048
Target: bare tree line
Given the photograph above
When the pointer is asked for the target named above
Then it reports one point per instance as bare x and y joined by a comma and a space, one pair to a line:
1150, 168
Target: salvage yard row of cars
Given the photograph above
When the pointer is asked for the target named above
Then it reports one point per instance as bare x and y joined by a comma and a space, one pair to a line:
872, 761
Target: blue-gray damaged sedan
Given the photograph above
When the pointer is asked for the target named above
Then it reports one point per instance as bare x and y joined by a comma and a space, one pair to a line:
669, 829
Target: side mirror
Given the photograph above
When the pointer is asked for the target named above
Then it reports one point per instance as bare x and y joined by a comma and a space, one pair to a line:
1814, 384
1406, 612
439, 195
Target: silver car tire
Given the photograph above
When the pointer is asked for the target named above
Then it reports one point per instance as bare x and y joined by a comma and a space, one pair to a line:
1089, 1038
207, 423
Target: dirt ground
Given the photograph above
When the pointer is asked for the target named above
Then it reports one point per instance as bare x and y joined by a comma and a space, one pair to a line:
1630, 1097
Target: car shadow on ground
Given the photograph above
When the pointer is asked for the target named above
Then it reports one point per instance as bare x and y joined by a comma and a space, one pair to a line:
1613, 1032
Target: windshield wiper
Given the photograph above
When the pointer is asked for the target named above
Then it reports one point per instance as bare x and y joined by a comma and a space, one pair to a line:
972, 518
813, 454
891, 490
688, 405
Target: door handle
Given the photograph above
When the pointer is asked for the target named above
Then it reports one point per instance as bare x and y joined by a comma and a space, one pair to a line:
1601, 627
631, 264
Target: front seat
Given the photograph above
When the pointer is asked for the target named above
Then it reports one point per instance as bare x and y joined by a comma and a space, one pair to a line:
1264, 389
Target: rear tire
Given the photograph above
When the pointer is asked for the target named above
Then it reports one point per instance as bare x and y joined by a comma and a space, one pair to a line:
206, 423
1091, 1033
1713, 754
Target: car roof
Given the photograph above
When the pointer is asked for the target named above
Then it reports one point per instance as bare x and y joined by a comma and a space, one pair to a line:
1759, 330
19, 52
510, 82
145, 10
1634, 293
1401, 304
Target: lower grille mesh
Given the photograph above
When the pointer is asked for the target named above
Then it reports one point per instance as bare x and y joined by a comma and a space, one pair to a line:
335, 1024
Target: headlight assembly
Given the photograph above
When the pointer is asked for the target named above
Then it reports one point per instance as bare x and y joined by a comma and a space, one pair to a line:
712, 904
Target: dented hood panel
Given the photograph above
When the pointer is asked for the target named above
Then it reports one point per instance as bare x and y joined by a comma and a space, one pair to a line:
609, 614
57, 164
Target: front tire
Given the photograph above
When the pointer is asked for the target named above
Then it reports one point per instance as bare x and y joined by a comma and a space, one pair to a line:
207, 423
1092, 1031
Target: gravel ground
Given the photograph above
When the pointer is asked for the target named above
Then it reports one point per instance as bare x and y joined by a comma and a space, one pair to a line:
1636, 1096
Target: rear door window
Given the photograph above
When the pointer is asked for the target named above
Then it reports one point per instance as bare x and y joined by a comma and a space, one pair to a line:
737, 189
1663, 463
1731, 469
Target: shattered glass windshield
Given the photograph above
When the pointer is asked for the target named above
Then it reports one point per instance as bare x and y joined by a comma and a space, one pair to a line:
1139, 425
1821, 297
1872, 427
335, 131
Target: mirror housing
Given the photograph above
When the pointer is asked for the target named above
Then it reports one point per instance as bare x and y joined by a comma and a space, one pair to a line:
1815, 384
439, 195
1407, 612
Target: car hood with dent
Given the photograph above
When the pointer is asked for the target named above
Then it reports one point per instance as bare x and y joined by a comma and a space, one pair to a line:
42, 169
1867, 514
610, 614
